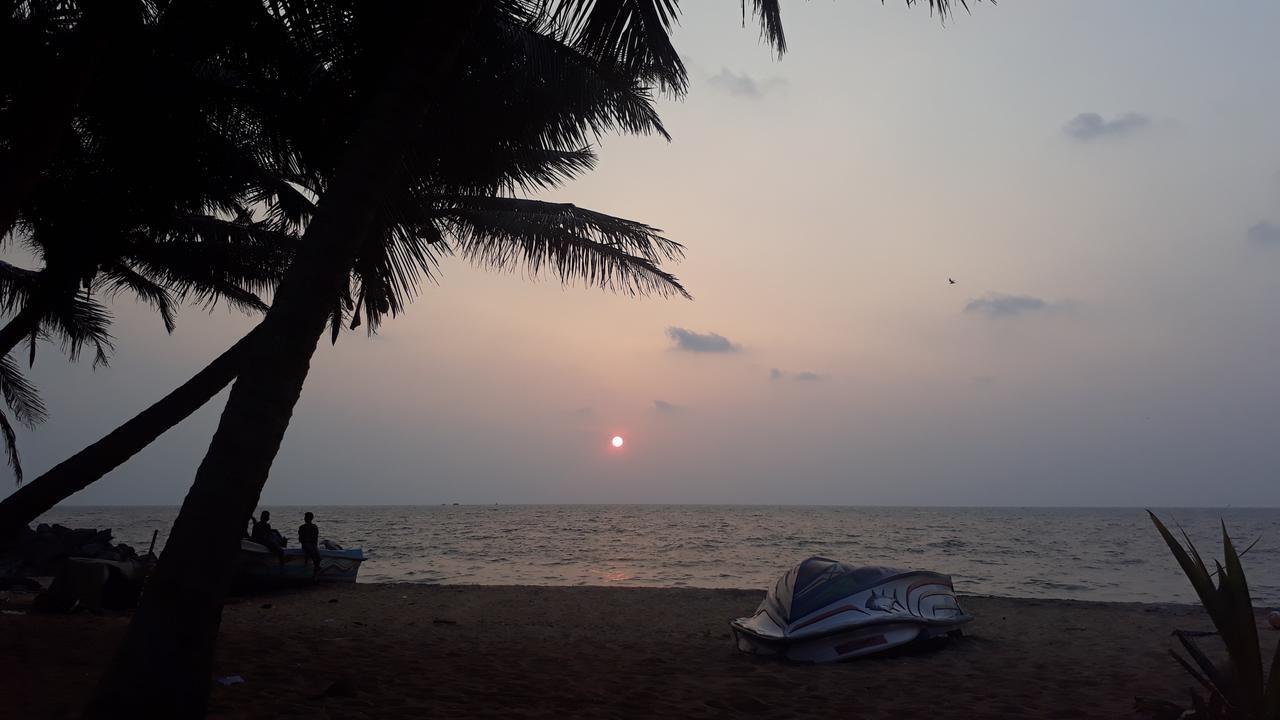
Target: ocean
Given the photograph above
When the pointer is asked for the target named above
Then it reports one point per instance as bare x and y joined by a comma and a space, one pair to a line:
1109, 554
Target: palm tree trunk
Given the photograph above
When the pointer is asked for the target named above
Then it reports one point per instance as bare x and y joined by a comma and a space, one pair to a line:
162, 668
87, 466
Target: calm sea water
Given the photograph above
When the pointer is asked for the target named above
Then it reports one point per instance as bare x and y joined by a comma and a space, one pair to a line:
1087, 554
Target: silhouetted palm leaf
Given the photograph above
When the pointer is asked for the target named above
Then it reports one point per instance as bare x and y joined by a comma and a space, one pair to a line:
10, 439
16, 286
19, 394
118, 277
576, 244
21, 397
77, 322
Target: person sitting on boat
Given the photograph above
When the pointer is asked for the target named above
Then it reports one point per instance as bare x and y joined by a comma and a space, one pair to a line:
264, 535
309, 539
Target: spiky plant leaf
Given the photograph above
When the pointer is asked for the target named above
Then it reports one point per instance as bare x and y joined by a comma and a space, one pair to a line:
1241, 631
1193, 568
1230, 608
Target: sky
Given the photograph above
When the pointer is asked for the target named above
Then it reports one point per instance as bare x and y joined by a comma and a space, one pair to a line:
1100, 179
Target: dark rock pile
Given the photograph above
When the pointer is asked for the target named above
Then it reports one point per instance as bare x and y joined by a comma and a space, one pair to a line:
41, 552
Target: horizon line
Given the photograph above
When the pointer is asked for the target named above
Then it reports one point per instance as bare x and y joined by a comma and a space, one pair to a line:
696, 504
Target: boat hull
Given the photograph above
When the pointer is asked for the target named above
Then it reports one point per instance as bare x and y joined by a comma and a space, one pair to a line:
848, 644
900, 607
259, 566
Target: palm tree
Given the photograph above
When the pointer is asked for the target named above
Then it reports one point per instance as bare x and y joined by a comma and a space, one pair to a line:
141, 192
94, 241
424, 51
486, 227
374, 166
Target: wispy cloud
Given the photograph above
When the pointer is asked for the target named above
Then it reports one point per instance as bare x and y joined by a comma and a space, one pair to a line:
1092, 126
667, 408
690, 341
999, 305
802, 376
1264, 234
743, 85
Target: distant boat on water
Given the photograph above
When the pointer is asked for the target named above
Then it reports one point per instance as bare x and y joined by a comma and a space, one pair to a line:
257, 565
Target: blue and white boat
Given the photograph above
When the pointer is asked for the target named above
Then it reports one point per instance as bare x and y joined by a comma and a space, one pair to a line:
823, 611
258, 565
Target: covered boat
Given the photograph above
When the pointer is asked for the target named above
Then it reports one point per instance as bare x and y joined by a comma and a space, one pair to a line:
257, 565
822, 611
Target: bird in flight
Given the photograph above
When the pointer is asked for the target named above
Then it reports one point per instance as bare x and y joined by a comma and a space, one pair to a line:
949, 280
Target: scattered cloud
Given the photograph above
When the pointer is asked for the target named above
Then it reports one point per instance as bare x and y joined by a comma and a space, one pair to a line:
1091, 126
998, 305
667, 408
582, 413
802, 376
690, 341
1264, 234
743, 85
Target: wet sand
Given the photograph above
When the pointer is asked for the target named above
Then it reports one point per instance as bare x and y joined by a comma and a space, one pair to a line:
392, 651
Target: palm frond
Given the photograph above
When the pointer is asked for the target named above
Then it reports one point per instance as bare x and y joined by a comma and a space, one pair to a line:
630, 236
944, 8
510, 168
16, 287
20, 396
391, 267
224, 261
120, 277
574, 245
769, 14
521, 86
10, 439
289, 208
634, 33
78, 322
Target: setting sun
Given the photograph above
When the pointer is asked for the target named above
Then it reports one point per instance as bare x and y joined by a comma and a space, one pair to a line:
616, 441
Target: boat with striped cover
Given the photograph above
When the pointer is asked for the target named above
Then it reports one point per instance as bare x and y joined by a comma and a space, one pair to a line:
822, 610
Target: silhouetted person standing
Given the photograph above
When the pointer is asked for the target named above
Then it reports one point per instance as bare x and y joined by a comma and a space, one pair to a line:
309, 538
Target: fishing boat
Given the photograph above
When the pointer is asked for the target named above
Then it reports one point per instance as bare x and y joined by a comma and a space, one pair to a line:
823, 611
257, 565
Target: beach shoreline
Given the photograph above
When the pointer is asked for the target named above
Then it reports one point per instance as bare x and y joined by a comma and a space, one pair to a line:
410, 650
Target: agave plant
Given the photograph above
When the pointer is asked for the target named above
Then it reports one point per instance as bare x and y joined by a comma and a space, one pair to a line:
1242, 689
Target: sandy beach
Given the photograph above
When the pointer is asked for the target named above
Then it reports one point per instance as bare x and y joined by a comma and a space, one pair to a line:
389, 651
